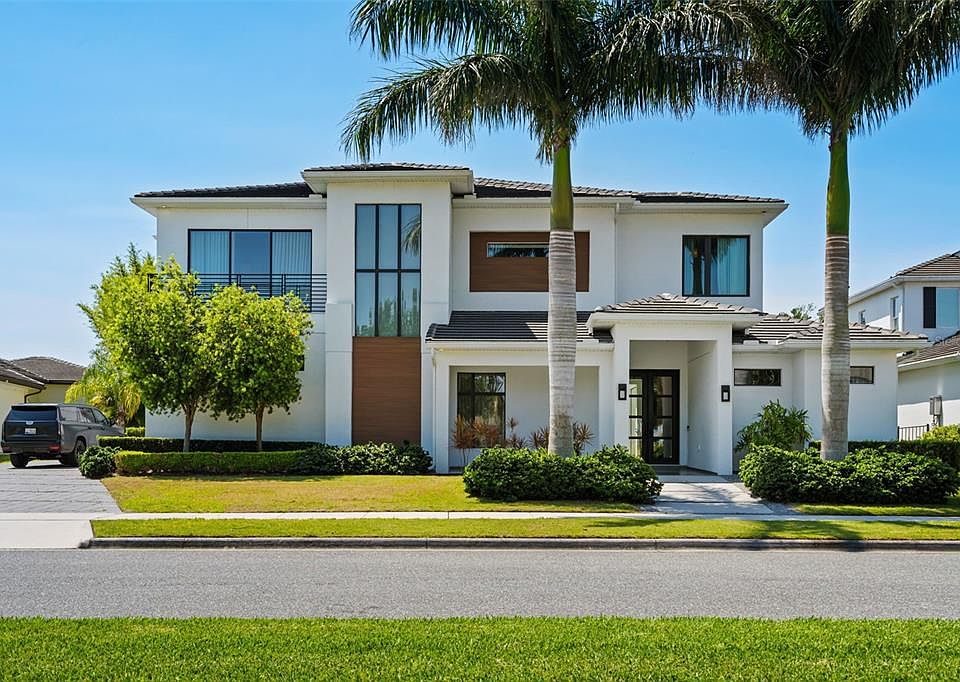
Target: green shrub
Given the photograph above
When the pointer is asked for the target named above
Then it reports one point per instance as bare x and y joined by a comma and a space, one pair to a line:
950, 432
318, 460
134, 432
776, 425
868, 476
98, 461
141, 444
947, 451
611, 473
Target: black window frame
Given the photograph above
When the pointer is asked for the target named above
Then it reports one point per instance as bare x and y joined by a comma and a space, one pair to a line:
376, 271
230, 231
778, 373
518, 245
707, 254
873, 375
473, 393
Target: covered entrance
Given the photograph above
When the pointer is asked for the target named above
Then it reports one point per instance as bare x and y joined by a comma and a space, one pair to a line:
654, 415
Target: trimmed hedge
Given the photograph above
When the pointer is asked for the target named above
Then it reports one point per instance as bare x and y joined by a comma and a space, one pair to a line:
611, 473
947, 451
864, 477
98, 462
141, 444
134, 432
372, 458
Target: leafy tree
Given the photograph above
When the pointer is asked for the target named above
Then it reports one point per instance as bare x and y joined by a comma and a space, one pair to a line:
548, 65
843, 67
805, 311
255, 348
125, 275
154, 328
107, 386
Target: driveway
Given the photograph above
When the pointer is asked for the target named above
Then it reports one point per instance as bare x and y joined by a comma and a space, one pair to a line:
48, 487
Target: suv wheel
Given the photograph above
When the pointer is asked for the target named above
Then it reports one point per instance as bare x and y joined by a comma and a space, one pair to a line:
19, 461
73, 459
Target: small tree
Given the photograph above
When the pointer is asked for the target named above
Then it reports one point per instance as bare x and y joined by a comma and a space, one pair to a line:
776, 425
153, 327
255, 348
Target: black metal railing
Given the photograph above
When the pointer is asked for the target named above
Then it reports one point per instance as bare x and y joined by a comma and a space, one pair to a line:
311, 289
912, 432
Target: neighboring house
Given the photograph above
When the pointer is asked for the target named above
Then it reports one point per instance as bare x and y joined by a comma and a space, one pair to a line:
36, 380
427, 287
924, 298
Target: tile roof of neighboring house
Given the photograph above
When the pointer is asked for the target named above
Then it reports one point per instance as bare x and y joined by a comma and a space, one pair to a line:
288, 189
944, 348
386, 166
12, 374
493, 188
50, 370
668, 304
506, 325
780, 328
946, 265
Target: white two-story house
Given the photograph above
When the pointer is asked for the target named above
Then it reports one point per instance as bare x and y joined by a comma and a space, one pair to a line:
428, 290
923, 298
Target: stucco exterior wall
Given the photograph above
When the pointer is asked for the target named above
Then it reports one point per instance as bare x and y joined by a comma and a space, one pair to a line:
11, 394
917, 386
749, 400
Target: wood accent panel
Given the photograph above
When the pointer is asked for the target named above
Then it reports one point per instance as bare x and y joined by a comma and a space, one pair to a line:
386, 389
520, 274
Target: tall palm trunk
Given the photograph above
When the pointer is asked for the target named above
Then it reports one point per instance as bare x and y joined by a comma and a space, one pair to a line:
835, 350
562, 311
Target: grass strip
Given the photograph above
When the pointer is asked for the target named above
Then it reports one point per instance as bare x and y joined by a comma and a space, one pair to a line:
531, 528
316, 493
479, 648
950, 508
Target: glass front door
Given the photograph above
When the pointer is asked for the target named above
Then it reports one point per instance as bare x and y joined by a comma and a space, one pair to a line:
654, 415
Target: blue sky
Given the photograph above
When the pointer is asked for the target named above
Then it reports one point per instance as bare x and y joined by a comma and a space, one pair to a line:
101, 101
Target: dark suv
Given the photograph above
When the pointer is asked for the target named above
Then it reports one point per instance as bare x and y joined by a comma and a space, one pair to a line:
50, 431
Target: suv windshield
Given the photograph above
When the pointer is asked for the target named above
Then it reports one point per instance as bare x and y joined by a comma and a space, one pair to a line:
40, 413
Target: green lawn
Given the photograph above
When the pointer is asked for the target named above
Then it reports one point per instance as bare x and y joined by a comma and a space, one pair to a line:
315, 493
950, 508
479, 648
537, 528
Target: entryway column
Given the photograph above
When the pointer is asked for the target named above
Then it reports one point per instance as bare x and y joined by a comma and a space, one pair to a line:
441, 414
621, 375
606, 401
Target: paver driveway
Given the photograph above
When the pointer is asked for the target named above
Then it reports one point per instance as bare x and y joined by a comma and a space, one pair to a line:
49, 487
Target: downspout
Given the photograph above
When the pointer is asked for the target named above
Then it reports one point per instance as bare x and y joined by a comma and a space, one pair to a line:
37, 392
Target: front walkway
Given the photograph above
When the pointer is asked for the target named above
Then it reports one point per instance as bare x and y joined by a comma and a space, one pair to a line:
708, 495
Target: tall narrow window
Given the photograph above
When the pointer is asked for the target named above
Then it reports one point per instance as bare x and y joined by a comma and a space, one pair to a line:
895, 313
388, 270
716, 266
482, 396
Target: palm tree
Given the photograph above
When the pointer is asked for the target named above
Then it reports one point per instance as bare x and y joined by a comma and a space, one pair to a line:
542, 64
843, 67
107, 387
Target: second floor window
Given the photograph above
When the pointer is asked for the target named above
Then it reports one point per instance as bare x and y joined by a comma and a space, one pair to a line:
895, 313
388, 270
941, 307
716, 266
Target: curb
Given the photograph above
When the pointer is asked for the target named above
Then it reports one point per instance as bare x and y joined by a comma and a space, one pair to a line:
517, 543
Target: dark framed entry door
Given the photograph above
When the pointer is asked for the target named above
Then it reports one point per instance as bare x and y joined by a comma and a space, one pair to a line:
655, 415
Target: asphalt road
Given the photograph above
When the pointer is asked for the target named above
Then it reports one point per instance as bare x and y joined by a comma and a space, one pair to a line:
435, 583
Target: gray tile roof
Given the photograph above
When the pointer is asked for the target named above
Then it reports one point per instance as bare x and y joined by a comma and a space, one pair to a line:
14, 375
506, 325
946, 265
670, 304
780, 328
50, 370
287, 189
486, 188
944, 348
387, 166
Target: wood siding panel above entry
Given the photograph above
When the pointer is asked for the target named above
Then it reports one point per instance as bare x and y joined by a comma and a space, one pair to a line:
520, 273
386, 389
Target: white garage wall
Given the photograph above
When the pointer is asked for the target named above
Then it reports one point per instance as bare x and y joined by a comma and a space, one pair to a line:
917, 386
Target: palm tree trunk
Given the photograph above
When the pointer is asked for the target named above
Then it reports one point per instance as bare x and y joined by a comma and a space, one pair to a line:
189, 412
562, 309
259, 415
835, 349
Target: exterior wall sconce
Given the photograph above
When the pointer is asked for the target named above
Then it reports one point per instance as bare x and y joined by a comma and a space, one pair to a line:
725, 393
936, 410
621, 392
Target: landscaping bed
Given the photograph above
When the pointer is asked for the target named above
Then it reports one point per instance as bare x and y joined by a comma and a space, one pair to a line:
478, 648
317, 493
531, 528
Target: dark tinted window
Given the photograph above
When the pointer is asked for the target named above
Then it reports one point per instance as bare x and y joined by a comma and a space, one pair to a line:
70, 414
102, 419
756, 377
87, 415
37, 414
862, 374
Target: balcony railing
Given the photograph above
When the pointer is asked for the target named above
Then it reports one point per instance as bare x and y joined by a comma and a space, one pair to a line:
912, 432
311, 289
